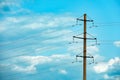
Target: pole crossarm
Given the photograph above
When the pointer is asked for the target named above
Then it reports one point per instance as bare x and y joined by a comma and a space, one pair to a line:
84, 20
84, 38
84, 56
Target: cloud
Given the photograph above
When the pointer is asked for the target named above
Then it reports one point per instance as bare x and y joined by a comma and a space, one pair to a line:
92, 49
49, 21
55, 33
28, 69
61, 57
46, 48
77, 48
105, 66
23, 24
117, 43
101, 67
111, 69
31, 62
38, 60
26, 30
12, 7
2, 29
107, 77
62, 71
59, 39
35, 60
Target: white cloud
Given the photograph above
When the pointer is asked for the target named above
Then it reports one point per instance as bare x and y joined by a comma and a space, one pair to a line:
34, 25
47, 48
28, 69
22, 24
2, 29
92, 49
55, 33
105, 66
98, 58
52, 69
12, 7
106, 76
9, 3
13, 19
48, 21
32, 61
62, 38
110, 69
61, 57
62, 71
77, 48
36, 60
117, 43
116, 60
101, 67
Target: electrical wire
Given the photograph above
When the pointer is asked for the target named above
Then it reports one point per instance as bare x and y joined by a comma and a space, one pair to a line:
102, 42
36, 35
105, 42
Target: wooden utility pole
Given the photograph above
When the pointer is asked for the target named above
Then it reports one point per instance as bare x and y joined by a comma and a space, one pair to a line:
85, 45
84, 49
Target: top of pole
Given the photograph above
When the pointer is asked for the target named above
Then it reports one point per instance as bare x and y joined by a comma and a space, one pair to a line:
85, 14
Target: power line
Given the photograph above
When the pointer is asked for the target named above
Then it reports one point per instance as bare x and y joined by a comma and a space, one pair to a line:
103, 42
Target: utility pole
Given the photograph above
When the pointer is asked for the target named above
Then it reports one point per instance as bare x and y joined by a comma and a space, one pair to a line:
84, 45
84, 49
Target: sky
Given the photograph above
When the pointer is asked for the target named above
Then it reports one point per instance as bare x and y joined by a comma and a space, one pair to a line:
36, 39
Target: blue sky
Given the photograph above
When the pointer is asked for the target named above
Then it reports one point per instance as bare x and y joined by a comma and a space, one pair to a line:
35, 37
